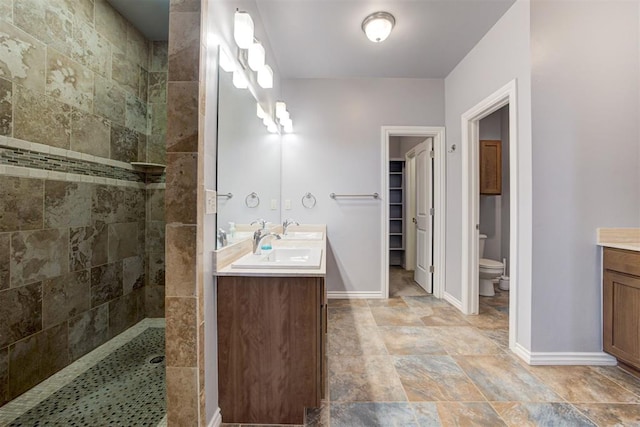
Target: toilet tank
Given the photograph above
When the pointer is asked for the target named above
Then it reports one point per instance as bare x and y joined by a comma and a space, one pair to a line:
481, 245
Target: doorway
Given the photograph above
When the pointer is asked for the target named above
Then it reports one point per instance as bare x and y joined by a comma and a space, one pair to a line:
506, 96
428, 161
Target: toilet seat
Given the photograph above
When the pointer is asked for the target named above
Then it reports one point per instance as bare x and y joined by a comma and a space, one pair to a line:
489, 263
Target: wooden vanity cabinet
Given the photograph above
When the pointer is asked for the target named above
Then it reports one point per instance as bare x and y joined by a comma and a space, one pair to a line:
271, 348
490, 167
621, 306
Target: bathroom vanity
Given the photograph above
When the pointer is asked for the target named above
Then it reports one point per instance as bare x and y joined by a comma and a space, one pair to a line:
621, 295
272, 323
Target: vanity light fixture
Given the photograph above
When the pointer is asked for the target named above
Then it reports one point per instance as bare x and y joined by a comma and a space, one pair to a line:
265, 77
281, 109
260, 112
239, 80
378, 26
243, 29
256, 56
225, 61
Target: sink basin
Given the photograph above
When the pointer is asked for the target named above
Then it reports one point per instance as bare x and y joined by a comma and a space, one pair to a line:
282, 258
303, 235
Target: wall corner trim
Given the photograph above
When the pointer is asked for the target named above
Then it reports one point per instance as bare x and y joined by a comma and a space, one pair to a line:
216, 421
452, 300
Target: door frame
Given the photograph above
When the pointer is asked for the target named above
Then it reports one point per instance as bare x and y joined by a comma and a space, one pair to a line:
439, 193
470, 120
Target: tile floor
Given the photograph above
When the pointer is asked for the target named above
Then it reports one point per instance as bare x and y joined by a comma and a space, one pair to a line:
413, 360
113, 385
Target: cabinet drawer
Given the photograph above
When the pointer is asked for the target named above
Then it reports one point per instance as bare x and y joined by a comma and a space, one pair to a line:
622, 261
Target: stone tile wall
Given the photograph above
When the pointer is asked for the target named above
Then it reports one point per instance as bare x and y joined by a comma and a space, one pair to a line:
72, 274
80, 261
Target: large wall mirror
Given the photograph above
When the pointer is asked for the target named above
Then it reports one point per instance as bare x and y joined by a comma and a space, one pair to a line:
249, 160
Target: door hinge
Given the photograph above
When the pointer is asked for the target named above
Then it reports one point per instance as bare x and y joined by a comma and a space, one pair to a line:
432, 211
431, 269
432, 154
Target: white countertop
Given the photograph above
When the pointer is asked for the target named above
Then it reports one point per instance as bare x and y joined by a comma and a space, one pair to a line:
227, 270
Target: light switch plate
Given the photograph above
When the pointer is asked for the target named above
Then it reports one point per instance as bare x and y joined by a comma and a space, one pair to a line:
287, 204
274, 204
210, 202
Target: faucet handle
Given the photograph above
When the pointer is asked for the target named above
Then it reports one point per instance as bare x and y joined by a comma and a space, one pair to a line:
222, 237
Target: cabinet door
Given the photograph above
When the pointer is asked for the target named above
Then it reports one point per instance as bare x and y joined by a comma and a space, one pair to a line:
621, 316
490, 167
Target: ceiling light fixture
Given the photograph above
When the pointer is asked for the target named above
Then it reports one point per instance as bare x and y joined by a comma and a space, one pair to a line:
378, 26
243, 29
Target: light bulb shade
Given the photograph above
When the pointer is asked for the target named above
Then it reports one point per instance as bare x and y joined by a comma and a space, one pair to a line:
281, 109
288, 127
260, 112
286, 122
256, 56
378, 26
265, 77
239, 80
271, 127
243, 29
284, 117
225, 61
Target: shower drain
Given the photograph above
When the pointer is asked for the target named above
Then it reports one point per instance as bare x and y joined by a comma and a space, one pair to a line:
156, 359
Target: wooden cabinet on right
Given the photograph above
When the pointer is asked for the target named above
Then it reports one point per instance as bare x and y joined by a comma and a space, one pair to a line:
490, 167
621, 306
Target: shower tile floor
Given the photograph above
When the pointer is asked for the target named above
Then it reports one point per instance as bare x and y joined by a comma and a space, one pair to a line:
414, 360
115, 385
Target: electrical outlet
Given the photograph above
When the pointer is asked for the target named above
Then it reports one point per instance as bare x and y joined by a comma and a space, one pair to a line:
210, 202
287, 204
274, 204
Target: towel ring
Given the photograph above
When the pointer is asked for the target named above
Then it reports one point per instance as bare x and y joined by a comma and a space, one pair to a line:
309, 201
252, 200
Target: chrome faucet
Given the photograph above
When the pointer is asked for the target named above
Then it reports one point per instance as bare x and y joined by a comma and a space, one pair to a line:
262, 222
287, 222
258, 236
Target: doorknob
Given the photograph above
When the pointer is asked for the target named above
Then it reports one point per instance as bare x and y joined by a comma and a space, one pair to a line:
414, 220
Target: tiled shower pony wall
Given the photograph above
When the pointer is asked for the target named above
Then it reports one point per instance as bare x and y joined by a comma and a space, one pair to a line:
82, 94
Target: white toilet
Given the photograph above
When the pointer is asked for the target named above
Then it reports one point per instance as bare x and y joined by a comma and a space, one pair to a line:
490, 270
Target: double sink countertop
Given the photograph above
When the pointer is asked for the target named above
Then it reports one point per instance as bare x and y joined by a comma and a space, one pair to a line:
223, 258
619, 238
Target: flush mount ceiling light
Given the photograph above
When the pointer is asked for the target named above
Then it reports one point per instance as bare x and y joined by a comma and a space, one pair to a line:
378, 26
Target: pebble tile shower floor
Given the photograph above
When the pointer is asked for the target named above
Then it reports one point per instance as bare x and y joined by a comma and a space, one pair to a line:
125, 388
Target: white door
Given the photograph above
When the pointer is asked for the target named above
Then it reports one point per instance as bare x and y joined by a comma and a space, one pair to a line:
410, 214
424, 223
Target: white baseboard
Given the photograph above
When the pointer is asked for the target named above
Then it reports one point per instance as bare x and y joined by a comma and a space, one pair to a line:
564, 358
452, 300
216, 421
354, 295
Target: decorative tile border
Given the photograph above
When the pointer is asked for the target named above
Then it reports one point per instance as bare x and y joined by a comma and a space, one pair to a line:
52, 162
42, 391
9, 142
32, 160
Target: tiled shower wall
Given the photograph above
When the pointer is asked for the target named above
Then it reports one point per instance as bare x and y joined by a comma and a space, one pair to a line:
82, 93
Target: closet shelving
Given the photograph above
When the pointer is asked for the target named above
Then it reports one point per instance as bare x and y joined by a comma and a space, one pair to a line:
396, 212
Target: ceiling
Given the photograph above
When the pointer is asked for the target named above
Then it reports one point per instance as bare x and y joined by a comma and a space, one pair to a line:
323, 38
151, 17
